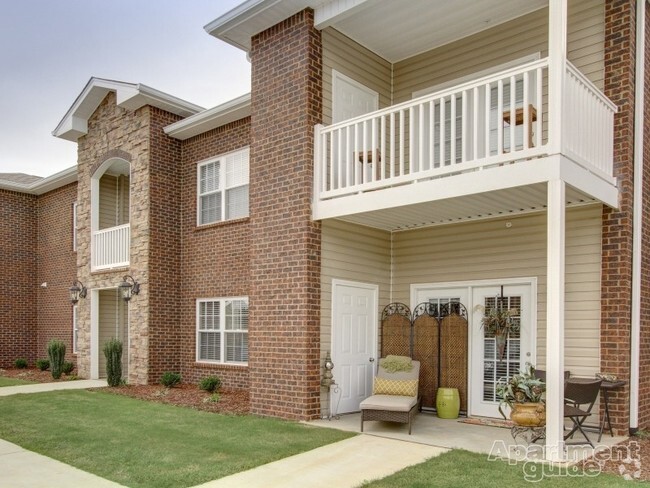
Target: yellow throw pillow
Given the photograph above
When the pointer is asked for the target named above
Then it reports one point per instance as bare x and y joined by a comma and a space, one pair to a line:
386, 386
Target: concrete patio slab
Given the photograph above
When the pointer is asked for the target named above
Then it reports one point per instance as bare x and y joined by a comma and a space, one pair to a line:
25, 469
454, 434
343, 464
59, 385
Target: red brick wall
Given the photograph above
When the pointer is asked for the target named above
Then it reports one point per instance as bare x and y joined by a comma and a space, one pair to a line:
617, 224
164, 247
57, 265
644, 385
285, 260
215, 258
19, 285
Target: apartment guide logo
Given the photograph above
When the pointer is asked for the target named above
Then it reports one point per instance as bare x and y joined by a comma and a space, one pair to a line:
531, 459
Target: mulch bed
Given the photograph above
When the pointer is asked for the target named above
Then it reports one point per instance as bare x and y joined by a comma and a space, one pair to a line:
229, 401
629, 459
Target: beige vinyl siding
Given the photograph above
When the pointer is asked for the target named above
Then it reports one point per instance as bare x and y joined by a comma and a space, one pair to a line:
113, 201
488, 250
506, 42
113, 320
353, 60
352, 253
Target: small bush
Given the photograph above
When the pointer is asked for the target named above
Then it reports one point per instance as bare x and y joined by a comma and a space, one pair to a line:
67, 367
113, 353
56, 353
214, 398
170, 379
20, 363
210, 383
43, 364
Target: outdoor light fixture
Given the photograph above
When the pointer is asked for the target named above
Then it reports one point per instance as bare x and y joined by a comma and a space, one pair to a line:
128, 287
77, 291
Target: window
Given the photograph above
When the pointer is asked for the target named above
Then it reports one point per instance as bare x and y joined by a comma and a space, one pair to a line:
75, 329
222, 188
222, 330
74, 226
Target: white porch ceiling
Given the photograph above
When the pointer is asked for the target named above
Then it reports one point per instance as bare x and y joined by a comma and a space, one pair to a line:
501, 203
399, 29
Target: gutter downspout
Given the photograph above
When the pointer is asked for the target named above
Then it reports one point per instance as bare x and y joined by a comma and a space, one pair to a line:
637, 222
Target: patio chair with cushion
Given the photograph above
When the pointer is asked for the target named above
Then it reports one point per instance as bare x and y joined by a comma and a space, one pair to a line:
579, 399
395, 396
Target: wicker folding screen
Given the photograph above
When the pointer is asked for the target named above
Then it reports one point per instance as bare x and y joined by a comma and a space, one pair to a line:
453, 355
396, 330
425, 350
435, 336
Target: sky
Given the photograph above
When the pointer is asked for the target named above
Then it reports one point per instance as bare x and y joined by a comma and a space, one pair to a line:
49, 49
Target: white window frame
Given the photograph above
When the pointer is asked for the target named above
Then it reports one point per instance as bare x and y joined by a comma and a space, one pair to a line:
75, 206
222, 331
223, 160
75, 329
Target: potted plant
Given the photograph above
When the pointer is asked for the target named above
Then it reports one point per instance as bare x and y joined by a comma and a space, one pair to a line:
500, 322
523, 393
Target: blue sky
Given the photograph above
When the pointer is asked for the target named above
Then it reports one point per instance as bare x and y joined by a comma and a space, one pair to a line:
50, 49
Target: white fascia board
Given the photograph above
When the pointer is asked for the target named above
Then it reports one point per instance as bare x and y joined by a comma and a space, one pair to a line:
328, 13
74, 123
44, 185
237, 26
212, 118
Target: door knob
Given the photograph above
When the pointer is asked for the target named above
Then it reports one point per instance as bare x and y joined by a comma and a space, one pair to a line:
372, 360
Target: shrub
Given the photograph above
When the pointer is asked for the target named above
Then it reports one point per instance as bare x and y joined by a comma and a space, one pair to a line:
170, 379
56, 353
43, 364
214, 398
113, 353
20, 363
67, 367
210, 383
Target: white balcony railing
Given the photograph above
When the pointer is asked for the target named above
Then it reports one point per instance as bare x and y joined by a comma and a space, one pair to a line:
110, 247
490, 121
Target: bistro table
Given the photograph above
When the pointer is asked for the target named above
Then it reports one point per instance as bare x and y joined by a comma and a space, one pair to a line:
605, 387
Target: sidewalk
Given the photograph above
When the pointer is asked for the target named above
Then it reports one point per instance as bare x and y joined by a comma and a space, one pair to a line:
59, 385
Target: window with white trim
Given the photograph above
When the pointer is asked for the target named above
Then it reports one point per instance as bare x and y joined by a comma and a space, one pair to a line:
222, 330
75, 329
222, 188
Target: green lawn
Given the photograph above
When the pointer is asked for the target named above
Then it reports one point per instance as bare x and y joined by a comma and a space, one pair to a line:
144, 444
467, 469
13, 382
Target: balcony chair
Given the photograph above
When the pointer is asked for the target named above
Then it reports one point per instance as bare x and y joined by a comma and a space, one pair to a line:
541, 374
579, 399
395, 397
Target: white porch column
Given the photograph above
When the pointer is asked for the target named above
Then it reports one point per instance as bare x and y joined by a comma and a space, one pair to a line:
557, 39
555, 248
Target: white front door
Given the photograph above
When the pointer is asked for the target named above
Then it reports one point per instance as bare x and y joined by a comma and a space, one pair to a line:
354, 342
487, 367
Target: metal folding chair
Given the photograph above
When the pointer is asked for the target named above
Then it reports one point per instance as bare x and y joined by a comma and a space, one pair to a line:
579, 399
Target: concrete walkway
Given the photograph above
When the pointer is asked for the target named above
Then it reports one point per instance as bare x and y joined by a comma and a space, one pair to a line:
59, 385
344, 464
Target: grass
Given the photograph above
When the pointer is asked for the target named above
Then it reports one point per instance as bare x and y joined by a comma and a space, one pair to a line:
144, 444
463, 468
4, 381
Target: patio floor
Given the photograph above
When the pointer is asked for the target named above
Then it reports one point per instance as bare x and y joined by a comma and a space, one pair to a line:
455, 434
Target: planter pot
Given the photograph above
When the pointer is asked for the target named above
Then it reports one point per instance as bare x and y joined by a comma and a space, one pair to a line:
529, 414
448, 403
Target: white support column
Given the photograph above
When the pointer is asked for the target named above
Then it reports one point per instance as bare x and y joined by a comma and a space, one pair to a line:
557, 40
555, 228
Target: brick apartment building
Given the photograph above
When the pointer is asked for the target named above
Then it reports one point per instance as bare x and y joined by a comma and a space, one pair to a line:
373, 162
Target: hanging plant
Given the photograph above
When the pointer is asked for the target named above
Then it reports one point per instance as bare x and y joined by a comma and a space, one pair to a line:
499, 322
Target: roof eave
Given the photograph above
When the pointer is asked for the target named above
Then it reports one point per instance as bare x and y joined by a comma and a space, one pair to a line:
212, 118
44, 185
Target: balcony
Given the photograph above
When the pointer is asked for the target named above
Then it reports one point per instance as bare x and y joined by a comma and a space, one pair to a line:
110, 247
489, 136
